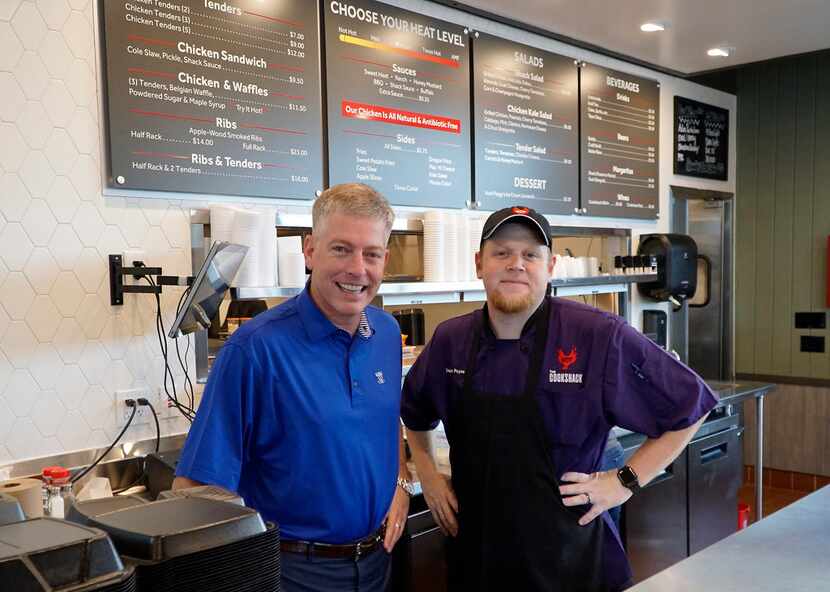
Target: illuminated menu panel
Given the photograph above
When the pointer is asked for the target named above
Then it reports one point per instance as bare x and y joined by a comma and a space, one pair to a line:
398, 103
215, 96
526, 110
620, 138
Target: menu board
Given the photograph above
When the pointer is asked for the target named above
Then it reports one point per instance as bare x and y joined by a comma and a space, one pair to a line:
398, 103
701, 140
215, 96
526, 112
620, 137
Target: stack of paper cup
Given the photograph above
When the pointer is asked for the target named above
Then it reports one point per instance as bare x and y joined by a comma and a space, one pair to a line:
476, 230
451, 224
267, 260
434, 247
593, 267
464, 257
255, 229
570, 268
560, 270
221, 223
292, 262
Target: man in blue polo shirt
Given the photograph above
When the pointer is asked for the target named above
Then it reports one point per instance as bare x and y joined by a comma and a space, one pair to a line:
300, 415
527, 389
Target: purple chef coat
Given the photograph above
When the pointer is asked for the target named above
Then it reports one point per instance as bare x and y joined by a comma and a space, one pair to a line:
599, 372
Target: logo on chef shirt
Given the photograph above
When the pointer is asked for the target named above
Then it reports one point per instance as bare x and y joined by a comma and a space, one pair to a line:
379, 377
565, 361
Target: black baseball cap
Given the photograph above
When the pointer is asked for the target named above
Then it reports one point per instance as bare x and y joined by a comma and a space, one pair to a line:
531, 218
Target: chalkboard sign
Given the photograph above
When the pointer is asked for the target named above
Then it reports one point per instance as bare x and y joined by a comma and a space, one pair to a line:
215, 96
701, 140
526, 111
620, 139
398, 103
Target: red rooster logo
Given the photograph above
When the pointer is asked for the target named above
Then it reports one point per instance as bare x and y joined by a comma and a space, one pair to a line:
566, 360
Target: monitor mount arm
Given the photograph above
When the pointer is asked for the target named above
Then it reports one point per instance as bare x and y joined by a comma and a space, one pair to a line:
138, 271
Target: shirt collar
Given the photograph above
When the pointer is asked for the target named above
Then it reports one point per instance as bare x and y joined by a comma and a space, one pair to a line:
527, 329
317, 325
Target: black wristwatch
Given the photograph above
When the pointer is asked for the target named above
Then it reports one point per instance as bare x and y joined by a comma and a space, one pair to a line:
629, 479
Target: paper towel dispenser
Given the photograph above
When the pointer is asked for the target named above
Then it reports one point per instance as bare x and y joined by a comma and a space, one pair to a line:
676, 267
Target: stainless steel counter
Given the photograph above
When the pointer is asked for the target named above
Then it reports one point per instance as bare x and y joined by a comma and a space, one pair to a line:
788, 551
731, 393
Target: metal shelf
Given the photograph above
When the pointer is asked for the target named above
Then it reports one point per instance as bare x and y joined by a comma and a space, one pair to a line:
412, 293
391, 294
604, 280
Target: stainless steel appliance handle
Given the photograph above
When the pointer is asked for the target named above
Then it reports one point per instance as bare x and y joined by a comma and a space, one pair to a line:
713, 453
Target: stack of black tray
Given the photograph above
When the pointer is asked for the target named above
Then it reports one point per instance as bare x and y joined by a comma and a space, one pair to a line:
192, 544
50, 555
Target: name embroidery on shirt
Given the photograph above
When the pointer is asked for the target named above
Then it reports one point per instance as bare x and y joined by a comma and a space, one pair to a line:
454, 371
566, 360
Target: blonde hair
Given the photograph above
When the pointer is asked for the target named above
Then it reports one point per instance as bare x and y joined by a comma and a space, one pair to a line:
353, 199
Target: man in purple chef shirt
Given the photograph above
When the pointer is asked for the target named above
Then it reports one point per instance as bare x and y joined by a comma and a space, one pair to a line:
527, 389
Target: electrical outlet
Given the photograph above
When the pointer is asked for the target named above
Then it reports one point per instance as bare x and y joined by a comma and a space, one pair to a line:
123, 412
160, 403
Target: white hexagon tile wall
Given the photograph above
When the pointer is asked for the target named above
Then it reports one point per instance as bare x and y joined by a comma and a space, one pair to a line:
63, 349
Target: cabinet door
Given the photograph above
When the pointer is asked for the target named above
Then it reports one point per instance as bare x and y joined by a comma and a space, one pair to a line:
715, 464
654, 522
419, 562
429, 561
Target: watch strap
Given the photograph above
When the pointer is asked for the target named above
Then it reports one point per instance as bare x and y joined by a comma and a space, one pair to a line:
406, 485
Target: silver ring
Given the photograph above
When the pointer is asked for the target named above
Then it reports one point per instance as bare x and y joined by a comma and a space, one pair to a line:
397, 524
588, 495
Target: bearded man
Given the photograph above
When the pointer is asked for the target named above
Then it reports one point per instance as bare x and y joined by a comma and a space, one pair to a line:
528, 389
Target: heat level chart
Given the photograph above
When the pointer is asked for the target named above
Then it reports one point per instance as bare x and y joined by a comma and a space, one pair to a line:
215, 96
398, 103
620, 138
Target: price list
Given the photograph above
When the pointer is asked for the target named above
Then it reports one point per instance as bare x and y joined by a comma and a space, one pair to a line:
398, 103
215, 96
701, 140
620, 139
526, 127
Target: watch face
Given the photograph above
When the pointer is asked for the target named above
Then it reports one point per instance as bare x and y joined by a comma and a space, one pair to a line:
628, 477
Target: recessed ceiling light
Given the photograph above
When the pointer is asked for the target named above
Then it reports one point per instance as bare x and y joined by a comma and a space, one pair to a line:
720, 52
652, 27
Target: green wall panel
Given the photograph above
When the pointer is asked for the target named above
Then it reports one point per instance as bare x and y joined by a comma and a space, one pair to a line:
782, 214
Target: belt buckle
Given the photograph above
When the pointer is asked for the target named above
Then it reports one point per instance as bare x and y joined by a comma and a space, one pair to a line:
357, 551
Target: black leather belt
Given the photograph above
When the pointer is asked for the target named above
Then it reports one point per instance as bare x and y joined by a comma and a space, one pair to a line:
354, 550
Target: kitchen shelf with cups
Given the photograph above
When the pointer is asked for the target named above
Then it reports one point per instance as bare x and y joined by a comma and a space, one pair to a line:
412, 293
407, 293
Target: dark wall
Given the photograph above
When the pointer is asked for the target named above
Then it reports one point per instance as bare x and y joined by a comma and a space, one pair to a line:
782, 212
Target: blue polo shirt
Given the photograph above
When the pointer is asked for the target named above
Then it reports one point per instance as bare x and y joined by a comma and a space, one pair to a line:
598, 372
301, 419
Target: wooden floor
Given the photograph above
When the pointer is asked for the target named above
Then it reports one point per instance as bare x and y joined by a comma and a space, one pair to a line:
774, 498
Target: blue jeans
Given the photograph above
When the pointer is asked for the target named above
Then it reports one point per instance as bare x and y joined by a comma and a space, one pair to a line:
612, 458
320, 574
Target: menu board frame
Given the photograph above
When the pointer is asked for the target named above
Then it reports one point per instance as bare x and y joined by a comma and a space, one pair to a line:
522, 123
388, 127
246, 134
638, 148
722, 149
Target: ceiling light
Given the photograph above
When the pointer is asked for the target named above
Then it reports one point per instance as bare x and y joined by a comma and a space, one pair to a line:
652, 27
720, 52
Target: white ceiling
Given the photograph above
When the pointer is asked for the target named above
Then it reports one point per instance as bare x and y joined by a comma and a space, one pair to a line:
757, 29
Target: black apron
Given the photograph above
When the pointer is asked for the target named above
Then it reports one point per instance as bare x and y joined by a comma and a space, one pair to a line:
514, 531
